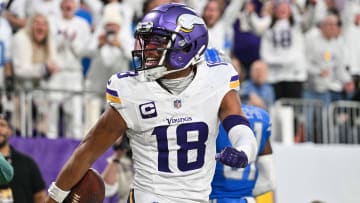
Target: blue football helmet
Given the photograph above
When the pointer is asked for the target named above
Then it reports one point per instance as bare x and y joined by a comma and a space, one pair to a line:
170, 38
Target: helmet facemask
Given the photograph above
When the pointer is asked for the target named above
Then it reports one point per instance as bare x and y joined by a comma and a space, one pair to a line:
151, 51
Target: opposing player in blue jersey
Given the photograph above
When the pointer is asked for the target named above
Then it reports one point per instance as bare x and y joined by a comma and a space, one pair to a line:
232, 185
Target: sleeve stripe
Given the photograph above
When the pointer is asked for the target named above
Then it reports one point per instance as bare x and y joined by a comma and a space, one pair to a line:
234, 78
233, 120
234, 81
111, 92
112, 98
234, 84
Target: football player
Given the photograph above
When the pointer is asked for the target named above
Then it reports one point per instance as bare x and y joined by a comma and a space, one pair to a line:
170, 108
231, 185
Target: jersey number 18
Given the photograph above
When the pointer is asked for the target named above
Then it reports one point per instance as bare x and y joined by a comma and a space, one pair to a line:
182, 130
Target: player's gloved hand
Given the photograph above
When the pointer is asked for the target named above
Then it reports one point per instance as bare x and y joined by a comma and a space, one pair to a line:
232, 157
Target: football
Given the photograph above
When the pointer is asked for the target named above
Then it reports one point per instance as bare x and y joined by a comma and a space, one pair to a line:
90, 189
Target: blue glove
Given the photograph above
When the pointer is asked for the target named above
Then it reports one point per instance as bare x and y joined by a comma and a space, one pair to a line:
232, 157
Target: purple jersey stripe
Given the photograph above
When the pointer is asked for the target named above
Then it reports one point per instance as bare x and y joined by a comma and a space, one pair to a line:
112, 92
234, 78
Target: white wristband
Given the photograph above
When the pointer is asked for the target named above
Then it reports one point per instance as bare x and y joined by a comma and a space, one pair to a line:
56, 193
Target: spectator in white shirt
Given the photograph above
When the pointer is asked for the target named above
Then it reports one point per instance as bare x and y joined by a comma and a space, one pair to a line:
34, 62
219, 19
5, 42
328, 76
17, 13
20, 10
352, 42
109, 55
282, 48
6, 72
72, 36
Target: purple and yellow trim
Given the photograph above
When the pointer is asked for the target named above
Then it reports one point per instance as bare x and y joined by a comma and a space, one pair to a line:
112, 96
234, 81
131, 198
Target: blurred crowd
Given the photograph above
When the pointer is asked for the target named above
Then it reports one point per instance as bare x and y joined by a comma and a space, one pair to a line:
69, 48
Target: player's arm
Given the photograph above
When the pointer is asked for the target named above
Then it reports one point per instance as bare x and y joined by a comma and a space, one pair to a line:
108, 128
242, 138
265, 183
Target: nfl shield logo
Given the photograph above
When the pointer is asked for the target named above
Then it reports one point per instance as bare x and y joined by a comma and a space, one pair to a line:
177, 103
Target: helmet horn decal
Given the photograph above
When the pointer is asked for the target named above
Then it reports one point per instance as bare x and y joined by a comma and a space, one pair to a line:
187, 22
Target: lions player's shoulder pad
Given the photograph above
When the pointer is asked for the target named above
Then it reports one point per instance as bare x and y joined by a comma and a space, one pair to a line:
215, 57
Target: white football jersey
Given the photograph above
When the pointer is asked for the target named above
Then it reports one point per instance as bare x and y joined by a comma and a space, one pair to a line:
173, 136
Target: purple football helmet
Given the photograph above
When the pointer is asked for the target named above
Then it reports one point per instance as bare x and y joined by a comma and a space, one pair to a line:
177, 35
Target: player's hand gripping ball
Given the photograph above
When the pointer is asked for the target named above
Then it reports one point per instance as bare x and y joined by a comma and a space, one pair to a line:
90, 189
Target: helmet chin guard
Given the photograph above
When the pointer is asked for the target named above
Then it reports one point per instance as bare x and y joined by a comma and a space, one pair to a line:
151, 74
176, 34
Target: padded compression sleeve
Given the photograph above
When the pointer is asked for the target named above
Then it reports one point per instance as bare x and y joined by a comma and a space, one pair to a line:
241, 136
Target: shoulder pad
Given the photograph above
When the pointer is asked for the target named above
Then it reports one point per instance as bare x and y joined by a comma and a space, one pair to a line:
116, 82
215, 57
